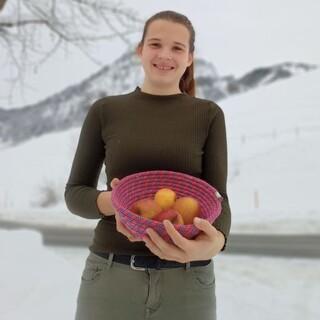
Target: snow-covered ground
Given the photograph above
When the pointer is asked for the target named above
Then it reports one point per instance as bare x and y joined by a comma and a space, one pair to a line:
38, 282
273, 138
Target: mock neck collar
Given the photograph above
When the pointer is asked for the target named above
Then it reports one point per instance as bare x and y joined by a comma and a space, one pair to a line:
140, 93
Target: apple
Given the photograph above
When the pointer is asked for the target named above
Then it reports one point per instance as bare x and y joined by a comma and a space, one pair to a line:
169, 214
165, 198
146, 207
178, 219
188, 207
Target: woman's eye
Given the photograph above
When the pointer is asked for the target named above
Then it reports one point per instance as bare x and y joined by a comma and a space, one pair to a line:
157, 44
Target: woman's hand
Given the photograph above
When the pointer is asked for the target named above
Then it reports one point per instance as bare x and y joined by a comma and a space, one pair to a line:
120, 227
205, 246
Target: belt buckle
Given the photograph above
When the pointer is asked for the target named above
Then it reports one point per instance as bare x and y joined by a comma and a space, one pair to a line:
133, 266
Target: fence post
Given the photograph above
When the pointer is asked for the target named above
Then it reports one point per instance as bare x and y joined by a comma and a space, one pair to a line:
256, 199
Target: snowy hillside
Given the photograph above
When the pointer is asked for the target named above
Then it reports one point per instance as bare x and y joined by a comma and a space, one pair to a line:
273, 134
66, 109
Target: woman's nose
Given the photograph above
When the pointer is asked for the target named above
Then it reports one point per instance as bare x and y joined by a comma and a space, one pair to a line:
165, 54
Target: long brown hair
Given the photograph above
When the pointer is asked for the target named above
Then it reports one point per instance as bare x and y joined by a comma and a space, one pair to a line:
187, 82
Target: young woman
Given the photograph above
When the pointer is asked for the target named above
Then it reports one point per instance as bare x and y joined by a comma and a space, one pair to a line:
160, 125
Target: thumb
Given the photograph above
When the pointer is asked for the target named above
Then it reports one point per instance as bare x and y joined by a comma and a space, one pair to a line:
205, 226
114, 182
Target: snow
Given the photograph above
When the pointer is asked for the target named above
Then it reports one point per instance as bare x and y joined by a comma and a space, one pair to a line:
273, 138
38, 282
236, 36
46, 163
35, 283
273, 135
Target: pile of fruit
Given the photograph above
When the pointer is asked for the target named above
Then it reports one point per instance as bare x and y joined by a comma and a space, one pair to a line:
166, 205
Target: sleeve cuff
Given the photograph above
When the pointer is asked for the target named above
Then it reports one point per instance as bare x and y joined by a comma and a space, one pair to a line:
225, 241
100, 214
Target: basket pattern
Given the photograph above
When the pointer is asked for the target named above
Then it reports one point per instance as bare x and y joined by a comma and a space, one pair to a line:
146, 183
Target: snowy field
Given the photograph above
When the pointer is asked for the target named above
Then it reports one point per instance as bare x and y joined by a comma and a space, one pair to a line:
273, 138
38, 282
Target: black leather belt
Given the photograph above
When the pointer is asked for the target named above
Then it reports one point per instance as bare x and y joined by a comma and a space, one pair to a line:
142, 262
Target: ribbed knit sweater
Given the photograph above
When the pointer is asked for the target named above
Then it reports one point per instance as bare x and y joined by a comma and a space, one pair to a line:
139, 131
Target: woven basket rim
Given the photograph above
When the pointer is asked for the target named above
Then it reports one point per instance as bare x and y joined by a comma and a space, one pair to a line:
118, 203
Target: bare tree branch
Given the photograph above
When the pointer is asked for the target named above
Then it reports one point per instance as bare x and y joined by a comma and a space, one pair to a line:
80, 24
11, 24
2, 3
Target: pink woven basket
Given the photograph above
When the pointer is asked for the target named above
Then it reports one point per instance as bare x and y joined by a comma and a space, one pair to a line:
145, 184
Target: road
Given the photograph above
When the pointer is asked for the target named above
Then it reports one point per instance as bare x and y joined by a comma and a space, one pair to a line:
300, 246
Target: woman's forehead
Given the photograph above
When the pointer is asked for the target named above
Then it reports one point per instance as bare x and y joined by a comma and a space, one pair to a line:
168, 31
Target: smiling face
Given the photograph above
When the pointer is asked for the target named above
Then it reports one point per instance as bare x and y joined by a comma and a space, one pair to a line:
165, 56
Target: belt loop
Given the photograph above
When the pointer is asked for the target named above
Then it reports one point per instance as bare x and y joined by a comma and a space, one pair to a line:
187, 266
110, 259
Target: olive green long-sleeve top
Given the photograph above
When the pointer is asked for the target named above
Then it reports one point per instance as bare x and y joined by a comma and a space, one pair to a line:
138, 131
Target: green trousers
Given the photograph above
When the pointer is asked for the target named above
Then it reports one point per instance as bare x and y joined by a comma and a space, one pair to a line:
113, 291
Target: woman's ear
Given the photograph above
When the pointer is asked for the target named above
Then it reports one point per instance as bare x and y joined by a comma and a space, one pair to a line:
138, 50
190, 59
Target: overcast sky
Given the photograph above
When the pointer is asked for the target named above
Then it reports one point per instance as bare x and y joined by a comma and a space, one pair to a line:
235, 35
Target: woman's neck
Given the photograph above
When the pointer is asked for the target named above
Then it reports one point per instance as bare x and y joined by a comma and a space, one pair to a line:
158, 90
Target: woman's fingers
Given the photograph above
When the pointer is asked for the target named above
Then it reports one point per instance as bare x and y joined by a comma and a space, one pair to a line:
122, 229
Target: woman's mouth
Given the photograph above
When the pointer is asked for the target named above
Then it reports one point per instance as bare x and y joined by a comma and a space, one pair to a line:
163, 68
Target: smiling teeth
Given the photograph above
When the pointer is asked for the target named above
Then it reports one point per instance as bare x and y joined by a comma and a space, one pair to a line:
163, 68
